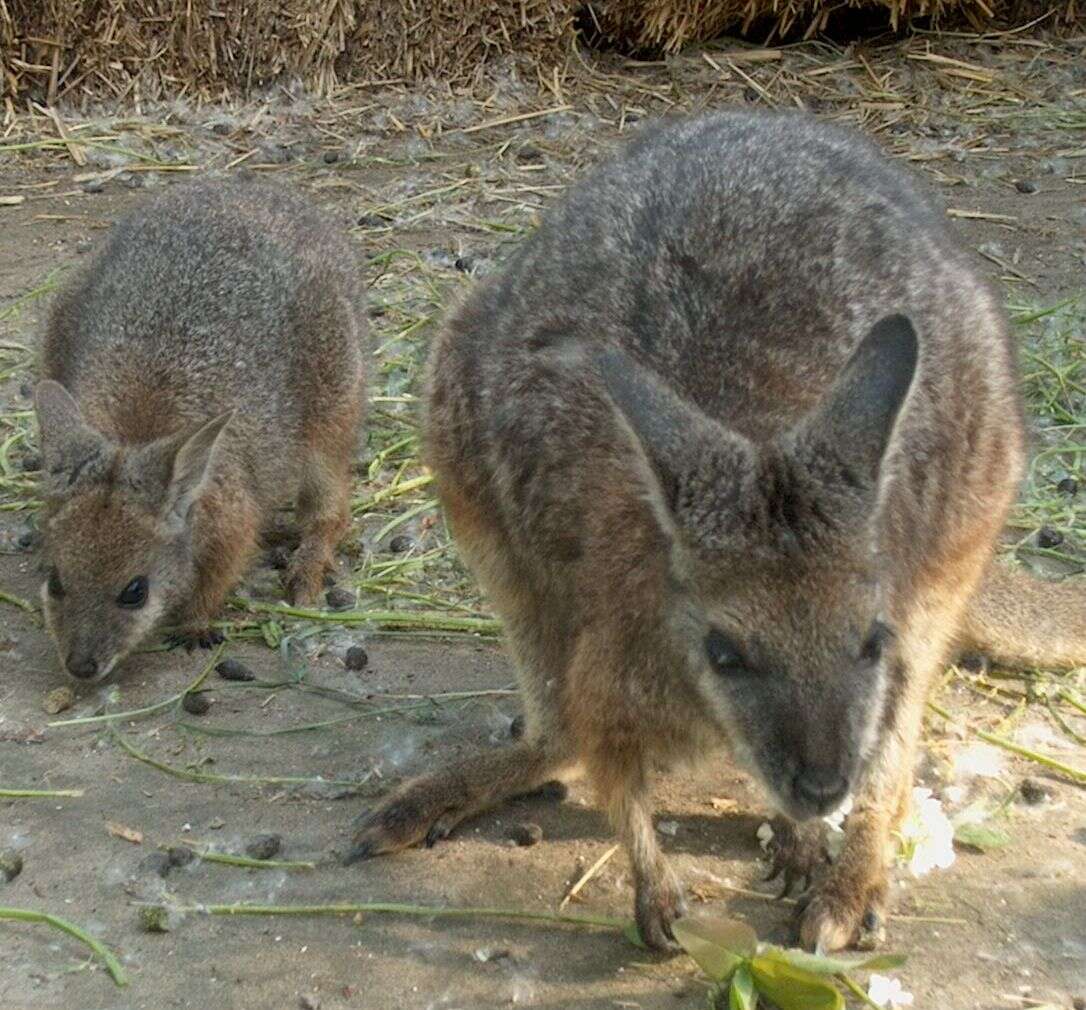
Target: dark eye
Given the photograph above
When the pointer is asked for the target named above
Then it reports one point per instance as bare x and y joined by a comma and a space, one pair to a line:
723, 653
134, 595
878, 637
54, 585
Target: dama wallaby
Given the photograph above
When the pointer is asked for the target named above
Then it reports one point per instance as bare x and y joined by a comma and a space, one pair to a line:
205, 366
729, 443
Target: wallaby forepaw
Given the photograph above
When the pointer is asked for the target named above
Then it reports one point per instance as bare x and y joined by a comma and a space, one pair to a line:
657, 906
303, 585
797, 854
191, 638
832, 920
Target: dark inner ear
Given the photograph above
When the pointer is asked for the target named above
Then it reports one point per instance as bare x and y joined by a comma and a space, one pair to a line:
857, 416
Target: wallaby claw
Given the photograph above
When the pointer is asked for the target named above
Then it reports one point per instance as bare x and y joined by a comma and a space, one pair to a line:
834, 919
189, 640
797, 854
656, 907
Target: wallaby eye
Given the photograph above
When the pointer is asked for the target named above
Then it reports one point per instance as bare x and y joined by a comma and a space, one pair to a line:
54, 585
878, 636
134, 595
723, 653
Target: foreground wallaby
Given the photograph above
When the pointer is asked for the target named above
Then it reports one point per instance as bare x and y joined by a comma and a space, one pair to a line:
729, 443
205, 367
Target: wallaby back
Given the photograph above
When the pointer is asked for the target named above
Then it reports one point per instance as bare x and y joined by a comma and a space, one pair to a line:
231, 302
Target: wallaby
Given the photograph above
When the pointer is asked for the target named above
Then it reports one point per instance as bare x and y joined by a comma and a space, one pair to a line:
729, 443
206, 367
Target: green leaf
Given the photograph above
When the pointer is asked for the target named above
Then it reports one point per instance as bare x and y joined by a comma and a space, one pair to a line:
741, 994
633, 934
792, 988
818, 964
718, 945
981, 836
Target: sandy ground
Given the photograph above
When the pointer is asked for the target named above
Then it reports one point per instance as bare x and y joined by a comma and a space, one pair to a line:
1000, 930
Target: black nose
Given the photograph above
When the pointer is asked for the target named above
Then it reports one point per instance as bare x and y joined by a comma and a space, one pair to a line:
820, 786
84, 670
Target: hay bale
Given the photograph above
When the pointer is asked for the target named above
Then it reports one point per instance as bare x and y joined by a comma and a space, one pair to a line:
73, 49
667, 25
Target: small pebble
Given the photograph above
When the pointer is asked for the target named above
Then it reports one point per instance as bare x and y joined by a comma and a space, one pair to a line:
526, 834
196, 703
1026, 186
264, 847
1033, 792
309, 1003
232, 669
516, 727
485, 955
178, 855
356, 658
222, 129
1048, 537
465, 264
31, 463
93, 186
133, 180
11, 865
331, 157
157, 864
1068, 486
401, 543
371, 221
60, 699
338, 598
669, 828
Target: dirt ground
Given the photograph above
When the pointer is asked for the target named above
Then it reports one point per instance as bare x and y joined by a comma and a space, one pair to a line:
436, 188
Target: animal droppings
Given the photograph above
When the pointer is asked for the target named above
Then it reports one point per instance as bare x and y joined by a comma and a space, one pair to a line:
232, 669
356, 658
264, 847
196, 703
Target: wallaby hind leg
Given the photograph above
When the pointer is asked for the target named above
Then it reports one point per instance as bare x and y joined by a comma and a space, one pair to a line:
323, 508
427, 808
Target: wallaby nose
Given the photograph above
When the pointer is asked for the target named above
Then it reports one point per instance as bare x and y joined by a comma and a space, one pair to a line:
85, 669
820, 786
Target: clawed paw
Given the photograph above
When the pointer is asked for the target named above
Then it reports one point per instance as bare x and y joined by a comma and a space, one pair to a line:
658, 904
415, 814
205, 638
797, 854
832, 919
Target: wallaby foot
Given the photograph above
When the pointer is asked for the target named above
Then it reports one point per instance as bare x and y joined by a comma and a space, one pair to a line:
847, 906
797, 854
428, 808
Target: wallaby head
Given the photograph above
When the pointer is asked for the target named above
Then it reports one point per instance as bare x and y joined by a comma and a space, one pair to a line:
118, 522
774, 554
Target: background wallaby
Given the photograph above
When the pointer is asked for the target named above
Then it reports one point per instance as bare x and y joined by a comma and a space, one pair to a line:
206, 367
729, 443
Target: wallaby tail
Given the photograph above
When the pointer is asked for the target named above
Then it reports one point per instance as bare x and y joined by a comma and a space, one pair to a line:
1021, 621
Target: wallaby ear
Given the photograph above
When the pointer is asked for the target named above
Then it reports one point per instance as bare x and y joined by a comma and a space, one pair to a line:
194, 463
68, 444
692, 457
857, 415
